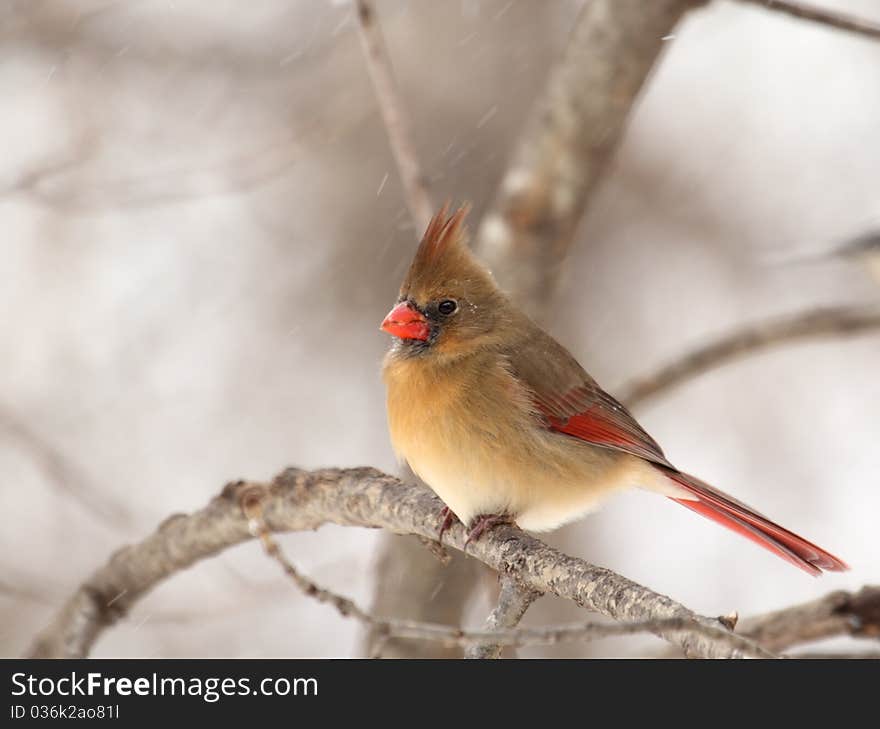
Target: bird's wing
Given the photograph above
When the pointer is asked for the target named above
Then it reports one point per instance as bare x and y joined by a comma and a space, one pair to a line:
570, 402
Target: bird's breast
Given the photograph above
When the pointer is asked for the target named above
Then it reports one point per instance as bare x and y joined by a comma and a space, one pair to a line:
471, 433
455, 414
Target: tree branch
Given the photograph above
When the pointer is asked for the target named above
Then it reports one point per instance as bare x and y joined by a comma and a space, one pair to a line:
513, 601
751, 339
487, 643
300, 500
838, 613
394, 115
568, 141
831, 18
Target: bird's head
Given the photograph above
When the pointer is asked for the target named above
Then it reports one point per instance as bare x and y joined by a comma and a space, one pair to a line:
449, 304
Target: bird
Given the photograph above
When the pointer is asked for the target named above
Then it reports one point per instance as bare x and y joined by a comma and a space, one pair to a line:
503, 423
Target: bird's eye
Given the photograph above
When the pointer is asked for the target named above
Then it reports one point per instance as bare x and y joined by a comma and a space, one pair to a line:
447, 307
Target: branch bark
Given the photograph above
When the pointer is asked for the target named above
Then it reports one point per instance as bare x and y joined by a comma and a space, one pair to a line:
301, 500
513, 601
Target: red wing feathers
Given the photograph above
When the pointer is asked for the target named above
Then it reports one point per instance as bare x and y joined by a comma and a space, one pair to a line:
572, 403
594, 416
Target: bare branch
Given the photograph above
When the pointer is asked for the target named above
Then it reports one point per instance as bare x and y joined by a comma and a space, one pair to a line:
493, 636
832, 18
752, 339
839, 613
304, 500
513, 601
253, 510
394, 115
569, 139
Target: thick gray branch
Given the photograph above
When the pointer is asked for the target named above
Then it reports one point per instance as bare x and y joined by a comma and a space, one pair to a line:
302, 500
568, 140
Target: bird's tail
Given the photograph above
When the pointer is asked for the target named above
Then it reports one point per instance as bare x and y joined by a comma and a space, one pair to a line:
742, 519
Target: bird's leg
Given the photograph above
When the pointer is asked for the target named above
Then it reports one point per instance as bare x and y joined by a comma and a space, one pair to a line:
448, 519
484, 522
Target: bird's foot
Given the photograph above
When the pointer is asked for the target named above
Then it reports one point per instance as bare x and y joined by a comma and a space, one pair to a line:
484, 522
448, 519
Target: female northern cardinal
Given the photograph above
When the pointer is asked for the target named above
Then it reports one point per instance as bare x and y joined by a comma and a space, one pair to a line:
504, 424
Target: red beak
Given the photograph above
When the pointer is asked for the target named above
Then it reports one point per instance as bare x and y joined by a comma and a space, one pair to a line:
405, 322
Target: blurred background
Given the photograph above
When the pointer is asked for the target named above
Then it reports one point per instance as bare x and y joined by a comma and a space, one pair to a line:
202, 227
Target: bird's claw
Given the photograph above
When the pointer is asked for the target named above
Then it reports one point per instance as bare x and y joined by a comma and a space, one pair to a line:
484, 522
448, 519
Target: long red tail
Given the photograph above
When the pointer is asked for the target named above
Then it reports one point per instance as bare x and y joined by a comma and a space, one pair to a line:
744, 520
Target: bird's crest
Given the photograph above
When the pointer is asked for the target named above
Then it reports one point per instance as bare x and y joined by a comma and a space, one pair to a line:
443, 231
443, 256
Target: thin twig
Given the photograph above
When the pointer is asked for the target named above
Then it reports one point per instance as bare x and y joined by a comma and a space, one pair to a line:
832, 18
253, 510
394, 115
513, 601
751, 339
304, 500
